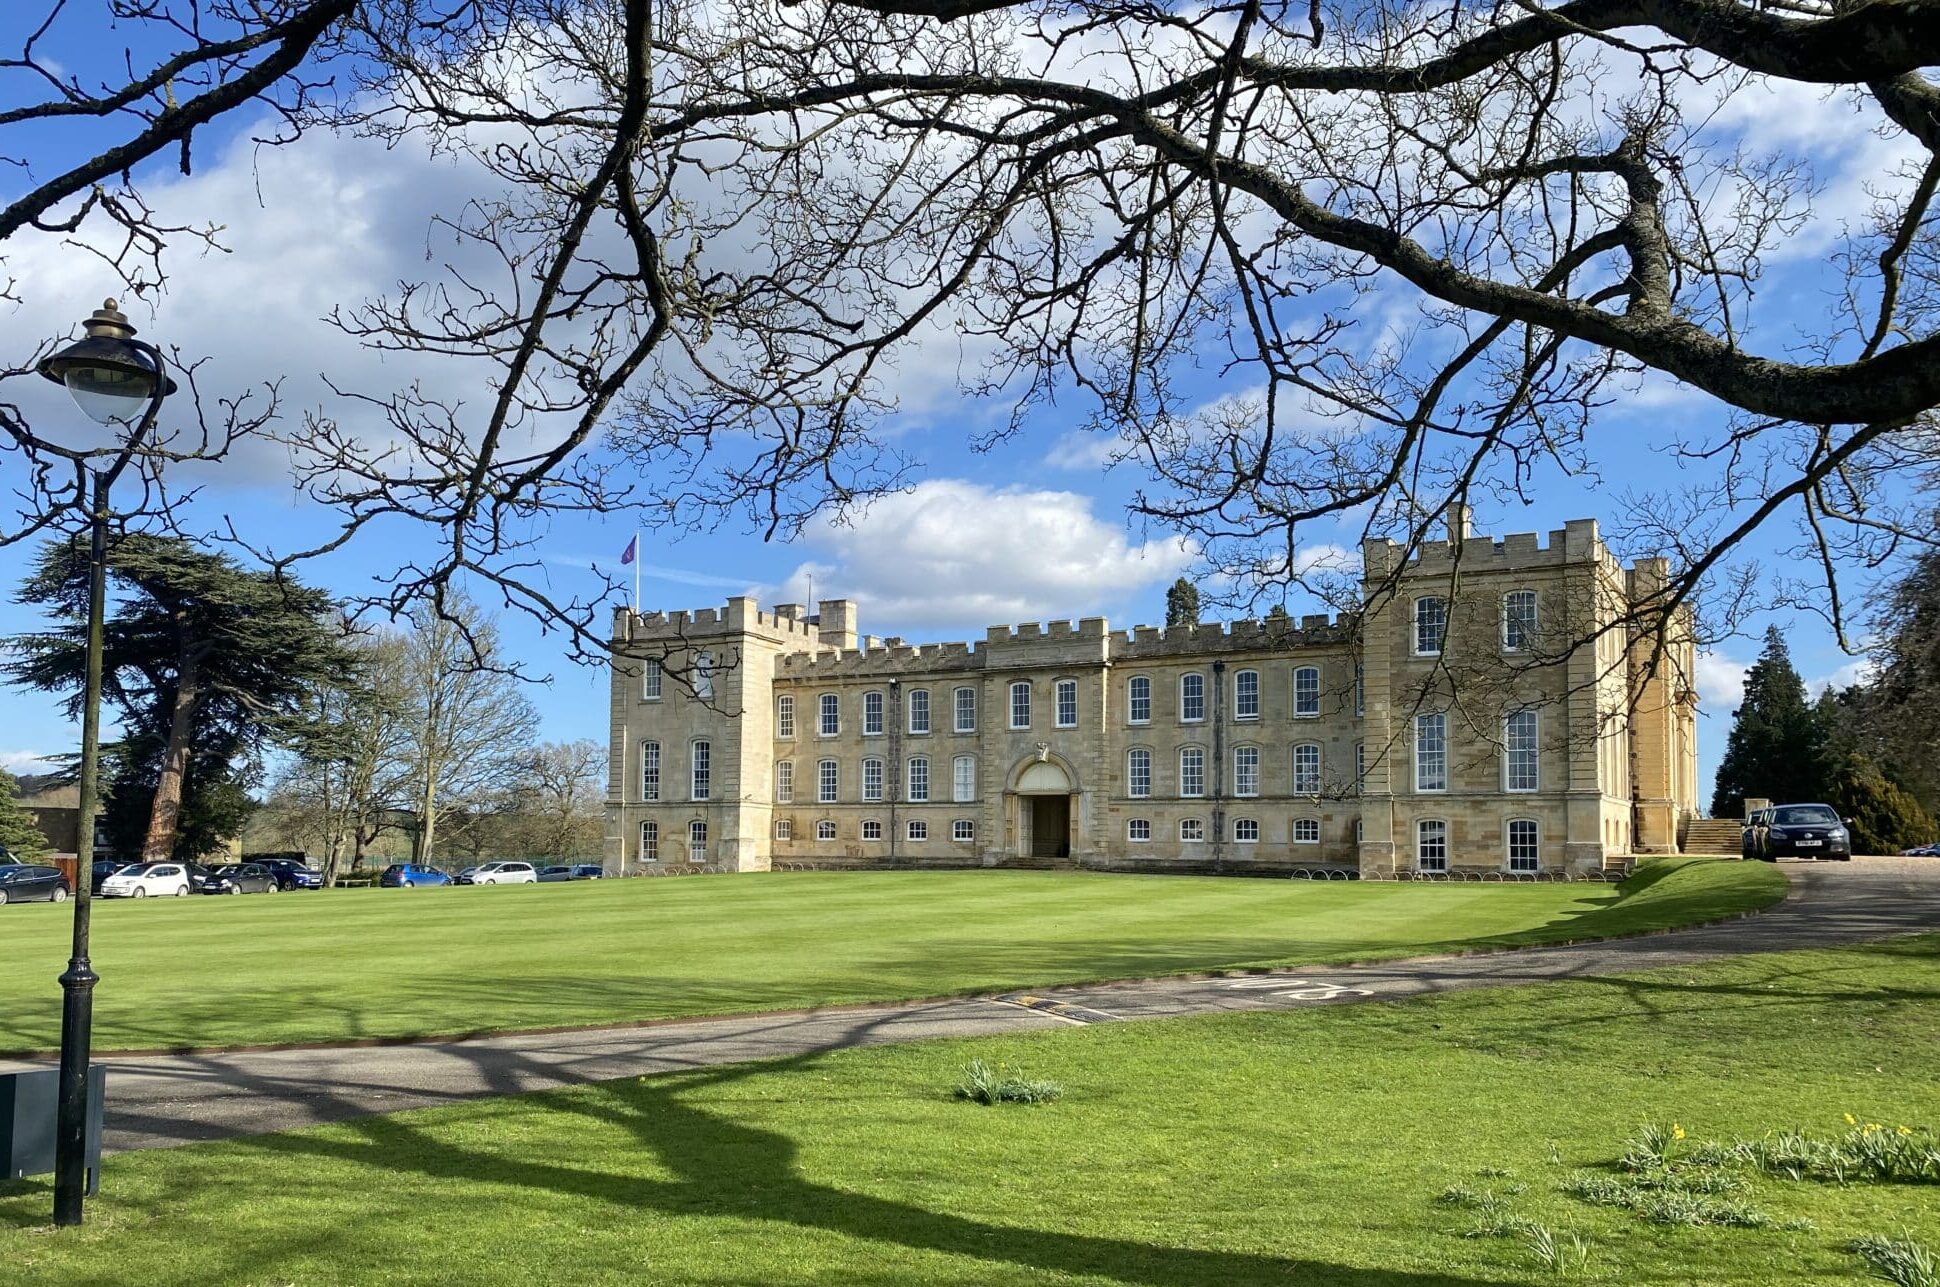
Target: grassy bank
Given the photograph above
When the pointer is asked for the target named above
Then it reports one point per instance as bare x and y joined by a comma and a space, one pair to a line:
383, 963
1306, 1147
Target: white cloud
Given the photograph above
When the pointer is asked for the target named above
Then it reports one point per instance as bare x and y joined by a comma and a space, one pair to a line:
1845, 676
955, 555
1720, 683
23, 762
1082, 450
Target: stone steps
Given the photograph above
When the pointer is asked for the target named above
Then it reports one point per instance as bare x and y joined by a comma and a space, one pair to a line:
1719, 836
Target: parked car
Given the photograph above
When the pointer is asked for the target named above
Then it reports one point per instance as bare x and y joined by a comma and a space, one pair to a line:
241, 878
1922, 851
550, 875
502, 872
1803, 831
291, 874
588, 871
101, 871
22, 882
1748, 839
408, 875
147, 879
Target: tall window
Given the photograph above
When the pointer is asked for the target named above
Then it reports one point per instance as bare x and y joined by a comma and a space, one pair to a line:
1431, 625
1138, 830
1519, 758
1431, 845
1306, 831
1518, 620
966, 708
831, 715
697, 841
1246, 694
649, 842
1246, 831
1306, 769
825, 829
1246, 770
872, 780
827, 777
1360, 765
1431, 752
1192, 771
872, 830
963, 778
1360, 691
784, 781
1138, 699
1192, 831
1306, 692
872, 714
1020, 705
704, 675
1138, 773
650, 672
1067, 693
784, 716
919, 779
1192, 697
649, 770
703, 776
1525, 845
919, 710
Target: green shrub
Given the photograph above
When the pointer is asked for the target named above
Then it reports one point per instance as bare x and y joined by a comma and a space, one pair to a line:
1900, 1261
1565, 1255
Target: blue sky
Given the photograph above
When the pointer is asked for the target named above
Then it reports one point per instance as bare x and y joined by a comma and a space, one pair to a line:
332, 221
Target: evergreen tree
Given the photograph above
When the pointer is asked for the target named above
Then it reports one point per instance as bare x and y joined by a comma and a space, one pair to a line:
1882, 818
1904, 697
1777, 748
18, 834
1182, 604
207, 662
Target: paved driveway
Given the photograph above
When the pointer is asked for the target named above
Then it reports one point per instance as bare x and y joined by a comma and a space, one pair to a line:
155, 1101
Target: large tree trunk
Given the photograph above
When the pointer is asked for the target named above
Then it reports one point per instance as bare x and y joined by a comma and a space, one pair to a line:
165, 813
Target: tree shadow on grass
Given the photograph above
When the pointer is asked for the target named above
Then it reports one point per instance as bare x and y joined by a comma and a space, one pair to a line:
727, 1168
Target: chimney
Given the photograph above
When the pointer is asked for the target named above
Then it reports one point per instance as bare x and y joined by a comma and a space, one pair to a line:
837, 621
1459, 516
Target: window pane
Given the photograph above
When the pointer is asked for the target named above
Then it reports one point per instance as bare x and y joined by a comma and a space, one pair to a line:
918, 829
1138, 829
872, 779
697, 842
872, 714
1138, 773
825, 831
1140, 700
919, 779
966, 707
650, 770
919, 710
1246, 695
703, 777
1192, 830
784, 781
650, 680
831, 715
1246, 830
1192, 771
1431, 752
1306, 691
1431, 623
1067, 703
963, 830
1306, 831
1192, 697
965, 777
1246, 770
1524, 845
1306, 769
649, 842
872, 830
825, 782
1020, 705
1518, 619
1519, 751
1431, 845
784, 716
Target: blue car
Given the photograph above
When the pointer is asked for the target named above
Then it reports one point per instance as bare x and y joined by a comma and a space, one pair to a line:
291, 874
408, 875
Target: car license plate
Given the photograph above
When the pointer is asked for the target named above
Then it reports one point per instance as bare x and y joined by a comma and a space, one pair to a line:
1810, 844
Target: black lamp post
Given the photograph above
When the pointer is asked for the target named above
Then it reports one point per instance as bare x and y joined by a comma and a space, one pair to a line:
117, 380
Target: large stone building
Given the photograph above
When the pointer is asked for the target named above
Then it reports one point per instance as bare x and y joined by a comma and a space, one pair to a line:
1509, 705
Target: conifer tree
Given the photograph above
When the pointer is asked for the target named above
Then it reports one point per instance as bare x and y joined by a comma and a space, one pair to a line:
18, 834
1777, 748
1182, 604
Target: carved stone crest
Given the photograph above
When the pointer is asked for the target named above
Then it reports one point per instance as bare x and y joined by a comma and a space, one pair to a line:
1043, 752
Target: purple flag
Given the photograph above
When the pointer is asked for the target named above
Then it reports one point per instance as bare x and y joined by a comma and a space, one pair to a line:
627, 557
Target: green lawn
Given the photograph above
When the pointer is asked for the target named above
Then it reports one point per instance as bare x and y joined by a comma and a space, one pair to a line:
1305, 1147
380, 963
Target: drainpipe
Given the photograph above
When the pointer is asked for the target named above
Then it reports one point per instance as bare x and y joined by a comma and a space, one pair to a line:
1218, 697
892, 772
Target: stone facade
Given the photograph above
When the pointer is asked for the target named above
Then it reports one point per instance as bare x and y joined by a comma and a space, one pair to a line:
1494, 705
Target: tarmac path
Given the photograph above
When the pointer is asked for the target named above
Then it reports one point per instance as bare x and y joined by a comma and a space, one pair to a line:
161, 1100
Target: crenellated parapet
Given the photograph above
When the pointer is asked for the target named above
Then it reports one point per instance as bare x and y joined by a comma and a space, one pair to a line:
1315, 630
889, 658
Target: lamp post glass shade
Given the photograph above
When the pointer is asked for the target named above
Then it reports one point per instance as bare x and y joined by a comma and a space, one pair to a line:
111, 376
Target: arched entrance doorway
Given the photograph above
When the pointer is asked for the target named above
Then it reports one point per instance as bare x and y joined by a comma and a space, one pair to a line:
1044, 790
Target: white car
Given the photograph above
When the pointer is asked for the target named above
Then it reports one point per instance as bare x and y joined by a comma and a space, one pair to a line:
145, 879
505, 873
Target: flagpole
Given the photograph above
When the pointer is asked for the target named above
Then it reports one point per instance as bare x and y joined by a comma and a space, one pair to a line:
636, 569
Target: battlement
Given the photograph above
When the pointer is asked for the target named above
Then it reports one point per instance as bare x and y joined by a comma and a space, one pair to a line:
1577, 541
739, 614
888, 659
1314, 630
1031, 631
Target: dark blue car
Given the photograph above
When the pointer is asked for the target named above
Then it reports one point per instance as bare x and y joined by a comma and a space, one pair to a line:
408, 875
291, 874
30, 883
